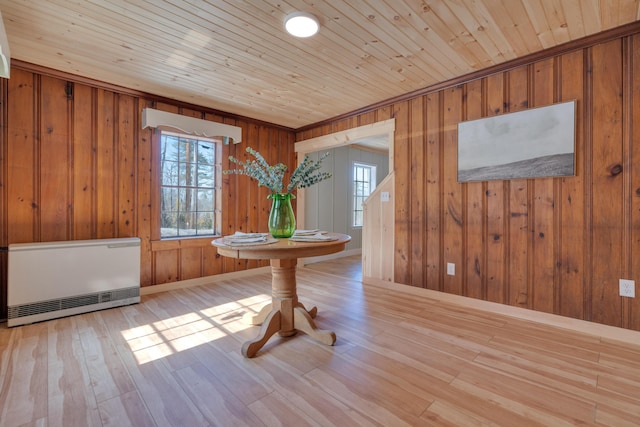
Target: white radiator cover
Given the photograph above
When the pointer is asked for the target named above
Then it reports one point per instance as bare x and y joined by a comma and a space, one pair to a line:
55, 279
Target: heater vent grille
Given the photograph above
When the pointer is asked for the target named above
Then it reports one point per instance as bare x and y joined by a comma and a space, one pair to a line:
41, 307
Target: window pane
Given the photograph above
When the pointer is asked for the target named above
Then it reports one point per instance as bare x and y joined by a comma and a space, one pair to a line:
169, 199
205, 176
187, 175
205, 223
186, 150
169, 224
206, 154
169, 172
168, 219
362, 186
190, 199
358, 218
180, 206
205, 200
186, 223
169, 148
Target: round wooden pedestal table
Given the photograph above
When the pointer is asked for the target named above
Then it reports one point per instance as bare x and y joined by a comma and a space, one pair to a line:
285, 315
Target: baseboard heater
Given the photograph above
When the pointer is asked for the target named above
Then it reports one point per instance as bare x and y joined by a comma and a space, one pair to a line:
48, 280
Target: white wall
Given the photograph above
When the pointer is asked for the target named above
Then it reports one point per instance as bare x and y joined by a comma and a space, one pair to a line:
328, 205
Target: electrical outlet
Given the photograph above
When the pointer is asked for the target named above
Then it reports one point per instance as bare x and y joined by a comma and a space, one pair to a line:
451, 269
627, 288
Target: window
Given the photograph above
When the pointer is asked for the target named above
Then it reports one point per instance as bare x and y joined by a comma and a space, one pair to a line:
364, 182
189, 169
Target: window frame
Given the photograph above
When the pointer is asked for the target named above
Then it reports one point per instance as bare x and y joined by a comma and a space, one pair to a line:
217, 186
372, 186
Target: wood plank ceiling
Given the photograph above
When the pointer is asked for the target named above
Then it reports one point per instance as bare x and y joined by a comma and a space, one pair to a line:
234, 56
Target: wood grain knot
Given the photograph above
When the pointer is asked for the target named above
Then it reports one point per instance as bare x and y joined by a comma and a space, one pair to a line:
615, 169
454, 213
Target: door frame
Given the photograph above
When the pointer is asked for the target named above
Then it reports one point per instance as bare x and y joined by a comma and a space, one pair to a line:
341, 139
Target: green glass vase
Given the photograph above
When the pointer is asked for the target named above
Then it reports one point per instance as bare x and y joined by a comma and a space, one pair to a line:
282, 221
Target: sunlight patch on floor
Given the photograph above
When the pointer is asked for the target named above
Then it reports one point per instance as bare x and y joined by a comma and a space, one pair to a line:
174, 334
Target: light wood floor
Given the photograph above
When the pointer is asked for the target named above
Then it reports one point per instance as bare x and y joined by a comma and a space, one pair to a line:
348, 266
401, 359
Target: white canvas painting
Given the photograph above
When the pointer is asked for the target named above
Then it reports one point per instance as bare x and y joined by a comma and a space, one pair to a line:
533, 143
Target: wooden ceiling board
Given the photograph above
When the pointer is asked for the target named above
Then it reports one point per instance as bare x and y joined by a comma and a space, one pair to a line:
234, 56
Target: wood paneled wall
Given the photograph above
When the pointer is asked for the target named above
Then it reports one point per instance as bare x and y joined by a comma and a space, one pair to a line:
556, 245
76, 164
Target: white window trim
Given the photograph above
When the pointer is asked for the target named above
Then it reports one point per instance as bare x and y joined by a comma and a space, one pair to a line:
166, 121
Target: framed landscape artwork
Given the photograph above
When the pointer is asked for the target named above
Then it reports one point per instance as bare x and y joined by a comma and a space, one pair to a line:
539, 142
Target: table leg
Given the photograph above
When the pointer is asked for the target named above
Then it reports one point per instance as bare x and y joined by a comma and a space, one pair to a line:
285, 315
313, 312
258, 319
284, 293
305, 323
270, 326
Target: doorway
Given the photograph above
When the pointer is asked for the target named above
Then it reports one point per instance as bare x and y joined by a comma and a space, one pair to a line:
349, 144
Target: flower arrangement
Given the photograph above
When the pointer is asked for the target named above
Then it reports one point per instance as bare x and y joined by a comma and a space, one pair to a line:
305, 175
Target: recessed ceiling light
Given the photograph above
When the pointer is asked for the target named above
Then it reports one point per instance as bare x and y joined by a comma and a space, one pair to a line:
301, 24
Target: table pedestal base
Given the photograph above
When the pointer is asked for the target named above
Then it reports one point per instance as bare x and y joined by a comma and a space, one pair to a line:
285, 315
